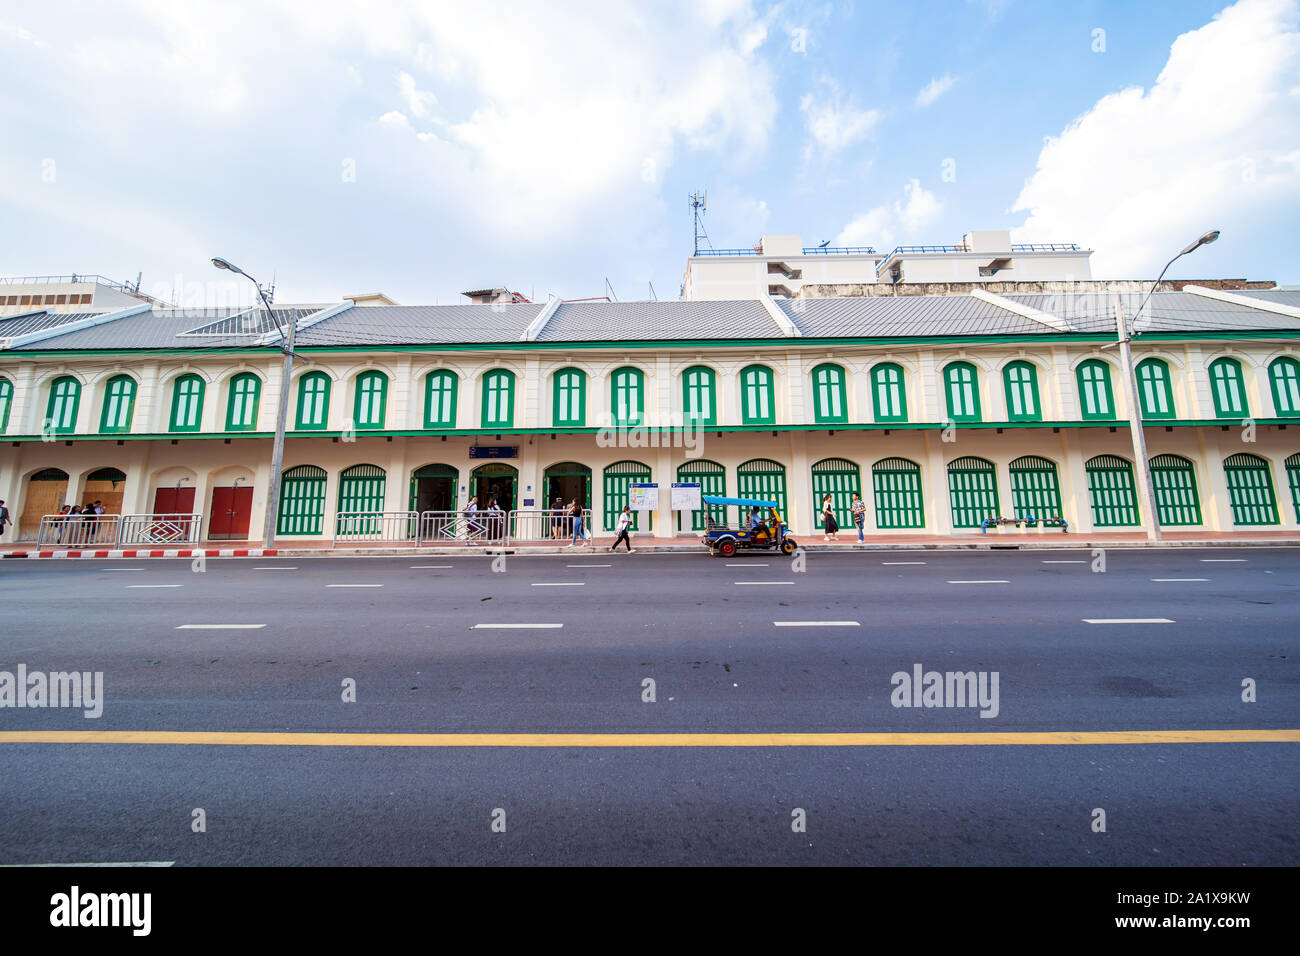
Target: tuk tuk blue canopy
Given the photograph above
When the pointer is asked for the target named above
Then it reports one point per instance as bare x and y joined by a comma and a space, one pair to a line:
743, 502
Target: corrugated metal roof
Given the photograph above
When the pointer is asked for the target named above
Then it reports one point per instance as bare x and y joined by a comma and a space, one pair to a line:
25, 322
423, 324
1289, 297
606, 321
857, 317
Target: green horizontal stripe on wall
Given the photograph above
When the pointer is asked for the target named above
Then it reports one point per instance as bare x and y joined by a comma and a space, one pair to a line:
658, 429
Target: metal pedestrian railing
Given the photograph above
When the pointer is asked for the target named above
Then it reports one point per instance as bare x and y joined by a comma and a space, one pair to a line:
116, 531
550, 526
428, 528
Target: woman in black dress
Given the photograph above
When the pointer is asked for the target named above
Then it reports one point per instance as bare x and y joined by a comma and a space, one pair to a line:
828, 519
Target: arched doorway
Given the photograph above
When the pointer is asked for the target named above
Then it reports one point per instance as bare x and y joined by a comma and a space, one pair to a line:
1250, 490
618, 479
107, 486
712, 479
972, 491
566, 480
764, 479
1174, 482
494, 480
1035, 490
433, 488
896, 483
839, 478
302, 501
1112, 491
45, 493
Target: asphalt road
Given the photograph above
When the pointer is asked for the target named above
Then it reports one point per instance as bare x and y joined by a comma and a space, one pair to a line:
706, 631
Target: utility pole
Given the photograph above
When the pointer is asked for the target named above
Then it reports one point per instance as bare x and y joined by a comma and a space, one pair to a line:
1145, 488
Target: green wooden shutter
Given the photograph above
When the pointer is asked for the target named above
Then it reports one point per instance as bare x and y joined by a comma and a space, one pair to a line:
713, 482
896, 483
241, 411
1154, 389
1293, 478
371, 405
628, 400
765, 479
1111, 491
1035, 489
1250, 490
302, 501
888, 393
830, 402
65, 396
698, 404
6, 402
440, 399
962, 389
841, 479
187, 404
361, 488
1021, 382
569, 397
972, 491
498, 399
119, 404
618, 477
1228, 389
758, 403
1173, 479
1095, 397
313, 401
1284, 375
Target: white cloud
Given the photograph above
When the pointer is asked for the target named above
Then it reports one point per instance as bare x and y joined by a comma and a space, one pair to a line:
1210, 145
395, 118
902, 220
833, 122
934, 89
420, 102
19, 33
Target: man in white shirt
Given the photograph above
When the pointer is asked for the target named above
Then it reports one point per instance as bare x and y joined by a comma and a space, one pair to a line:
624, 523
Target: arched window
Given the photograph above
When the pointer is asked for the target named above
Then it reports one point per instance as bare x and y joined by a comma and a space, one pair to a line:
187, 404
1228, 388
371, 403
698, 396
242, 404
119, 404
888, 393
628, 397
1021, 381
1250, 489
757, 402
961, 385
440, 399
313, 401
498, 399
1154, 389
61, 412
1096, 401
6, 402
830, 403
1283, 373
569, 397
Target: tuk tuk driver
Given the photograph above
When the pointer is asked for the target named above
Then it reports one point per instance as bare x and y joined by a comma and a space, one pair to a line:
756, 525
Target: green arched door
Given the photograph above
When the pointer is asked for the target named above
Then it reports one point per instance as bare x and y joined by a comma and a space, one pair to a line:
1250, 490
1174, 482
1111, 491
765, 479
896, 483
841, 479
973, 491
302, 501
712, 479
618, 477
1035, 489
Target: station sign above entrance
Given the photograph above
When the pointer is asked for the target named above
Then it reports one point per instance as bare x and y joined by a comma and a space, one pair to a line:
494, 451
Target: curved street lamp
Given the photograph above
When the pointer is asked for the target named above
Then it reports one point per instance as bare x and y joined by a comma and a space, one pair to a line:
277, 451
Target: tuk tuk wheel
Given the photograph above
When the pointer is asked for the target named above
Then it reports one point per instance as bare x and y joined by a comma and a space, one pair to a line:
788, 546
727, 548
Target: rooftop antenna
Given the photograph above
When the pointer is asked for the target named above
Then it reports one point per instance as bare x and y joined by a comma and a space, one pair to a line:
652, 292
610, 289
699, 204
823, 244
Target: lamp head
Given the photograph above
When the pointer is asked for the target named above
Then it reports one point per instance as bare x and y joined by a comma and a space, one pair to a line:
1205, 240
228, 266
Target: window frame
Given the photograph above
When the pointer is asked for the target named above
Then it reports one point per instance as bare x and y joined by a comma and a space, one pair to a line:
179, 396
233, 398
627, 382
1283, 406
444, 396
494, 381
362, 389
564, 382
1164, 382
1017, 389
764, 386
948, 382
300, 423
836, 388
1225, 362
707, 386
56, 400
877, 382
6, 402
105, 428
1087, 388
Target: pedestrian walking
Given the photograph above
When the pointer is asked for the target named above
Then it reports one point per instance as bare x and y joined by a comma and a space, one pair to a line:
624, 523
860, 516
472, 527
4, 517
557, 517
72, 525
579, 532
828, 520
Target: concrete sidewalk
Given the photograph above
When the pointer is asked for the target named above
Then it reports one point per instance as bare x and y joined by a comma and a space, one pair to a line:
648, 544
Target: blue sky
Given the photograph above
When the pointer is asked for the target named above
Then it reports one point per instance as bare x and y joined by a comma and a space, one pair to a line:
421, 149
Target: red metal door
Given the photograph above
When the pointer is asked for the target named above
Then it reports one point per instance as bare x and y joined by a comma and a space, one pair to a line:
232, 509
173, 501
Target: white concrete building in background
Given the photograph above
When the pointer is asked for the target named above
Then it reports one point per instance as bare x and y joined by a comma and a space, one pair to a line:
77, 292
781, 265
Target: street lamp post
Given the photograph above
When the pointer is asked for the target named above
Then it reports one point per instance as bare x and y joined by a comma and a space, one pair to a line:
1124, 338
277, 450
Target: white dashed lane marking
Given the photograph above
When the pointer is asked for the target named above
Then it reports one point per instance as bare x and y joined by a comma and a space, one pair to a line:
1127, 620
902, 562
354, 585
559, 584
1223, 560
489, 627
155, 585
218, 627
1172, 580
1071, 561
817, 623
432, 567
761, 583
980, 582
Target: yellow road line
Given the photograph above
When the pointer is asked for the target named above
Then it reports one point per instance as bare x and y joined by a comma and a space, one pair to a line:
1031, 738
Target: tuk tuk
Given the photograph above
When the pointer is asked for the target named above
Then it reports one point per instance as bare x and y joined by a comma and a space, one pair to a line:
759, 528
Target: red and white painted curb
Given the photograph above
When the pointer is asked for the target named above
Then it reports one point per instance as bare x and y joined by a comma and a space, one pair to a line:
156, 553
